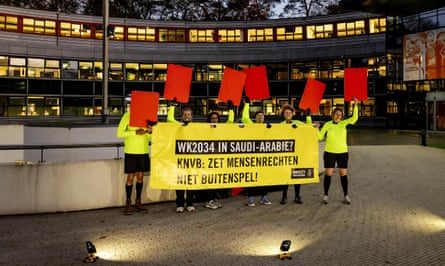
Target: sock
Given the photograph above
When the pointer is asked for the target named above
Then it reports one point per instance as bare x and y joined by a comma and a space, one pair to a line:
139, 190
344, 184
128, 189
297, 190
284, 192
326, 184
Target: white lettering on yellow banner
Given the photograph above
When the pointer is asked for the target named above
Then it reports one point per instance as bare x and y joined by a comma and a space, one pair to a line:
201, 156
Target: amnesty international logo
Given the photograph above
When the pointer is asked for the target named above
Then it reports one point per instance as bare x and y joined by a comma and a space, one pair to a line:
302, 173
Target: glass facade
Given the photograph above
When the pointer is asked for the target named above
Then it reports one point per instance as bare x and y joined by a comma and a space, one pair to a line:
39, 86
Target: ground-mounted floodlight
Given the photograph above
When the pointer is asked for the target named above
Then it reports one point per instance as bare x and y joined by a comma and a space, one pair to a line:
91, 249
284, 250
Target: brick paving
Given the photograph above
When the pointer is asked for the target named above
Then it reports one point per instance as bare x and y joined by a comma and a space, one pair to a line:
397, 217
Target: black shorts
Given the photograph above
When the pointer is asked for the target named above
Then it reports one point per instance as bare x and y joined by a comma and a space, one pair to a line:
136, 163
331, 158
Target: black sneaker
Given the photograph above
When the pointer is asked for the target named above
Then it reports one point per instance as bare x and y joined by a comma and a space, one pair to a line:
283, 200
298, 200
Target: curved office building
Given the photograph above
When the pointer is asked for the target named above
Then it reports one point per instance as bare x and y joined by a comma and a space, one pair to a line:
51, 64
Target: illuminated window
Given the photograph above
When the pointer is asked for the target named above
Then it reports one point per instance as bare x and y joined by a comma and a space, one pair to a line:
290, 33
203, 35
377, 25
341, 29
98, 70
52, 68
28, 25
118, 33
215, 72
171, 35
146, 71
260, 35
11, 23
141, 34
232, 35
99, 32
351, 28
2, 22
359, 27
17, 67
310, 32
75, 30
65, 29
3, 66
131, 71
39, 26
160, 71
320, 31
36, 67
391, 107
116, 71
85, 70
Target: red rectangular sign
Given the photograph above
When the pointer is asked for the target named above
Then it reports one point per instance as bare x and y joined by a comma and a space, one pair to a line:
312, 95
177, 84
257, 85
232, 85
356, 84
143, 108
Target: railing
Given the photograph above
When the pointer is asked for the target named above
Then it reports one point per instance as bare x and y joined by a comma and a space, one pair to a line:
42, 148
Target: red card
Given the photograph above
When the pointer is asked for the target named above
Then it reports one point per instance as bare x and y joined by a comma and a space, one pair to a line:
356, 84
257, 85
177, 84
232, 86
312, 95
143, 108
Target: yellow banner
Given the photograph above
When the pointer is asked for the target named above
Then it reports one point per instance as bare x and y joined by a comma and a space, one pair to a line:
202, 156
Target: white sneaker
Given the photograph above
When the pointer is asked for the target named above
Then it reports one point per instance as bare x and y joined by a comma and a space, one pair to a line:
250, 202
180, 209
211, 205
217, 203
265, 200
347, 200
190, 208
325, 199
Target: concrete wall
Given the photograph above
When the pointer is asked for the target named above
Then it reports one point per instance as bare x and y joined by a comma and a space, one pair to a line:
24, 135
68, 186
11, 135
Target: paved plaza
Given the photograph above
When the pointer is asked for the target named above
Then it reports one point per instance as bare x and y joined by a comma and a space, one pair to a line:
397, 217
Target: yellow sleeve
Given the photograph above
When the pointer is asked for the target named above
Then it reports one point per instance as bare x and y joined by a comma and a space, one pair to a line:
171, 114
245, 116
231, 116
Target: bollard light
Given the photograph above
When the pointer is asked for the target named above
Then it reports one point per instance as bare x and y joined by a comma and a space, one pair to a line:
91, 249
284, 250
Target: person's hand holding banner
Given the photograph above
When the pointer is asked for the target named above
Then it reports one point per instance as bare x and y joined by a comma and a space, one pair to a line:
312, 95
232, 86
356, 84
177, 84
256, 85
144, 108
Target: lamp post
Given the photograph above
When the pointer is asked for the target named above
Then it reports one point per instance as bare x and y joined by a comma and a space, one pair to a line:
105, 111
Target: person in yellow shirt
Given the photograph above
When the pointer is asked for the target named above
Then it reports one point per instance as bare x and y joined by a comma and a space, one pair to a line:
136, 159
336, 149
184, 198
211, 195
253, 191
287, 113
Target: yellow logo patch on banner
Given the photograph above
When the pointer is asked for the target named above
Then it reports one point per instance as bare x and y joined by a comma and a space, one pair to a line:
205, 156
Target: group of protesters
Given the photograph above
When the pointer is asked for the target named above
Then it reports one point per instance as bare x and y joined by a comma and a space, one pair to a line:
137, 161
